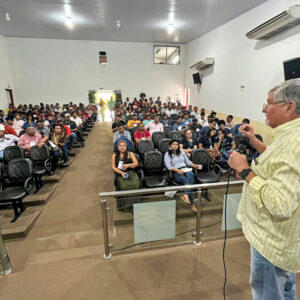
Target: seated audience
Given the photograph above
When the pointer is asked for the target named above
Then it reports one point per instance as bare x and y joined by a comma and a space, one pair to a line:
133, 122
9, 125
73, 129
142, 134
179, 126
203, 120
235, 130
6, 140
123, 164
211, 125
210, 142
121, 133
18, 123
58, 144
229, 122
177, 161
222, 126
42, 129
30, 121
155, 126
195, 126
224, 144
187, 121
148, 119
187, 143
30, 138
165, 121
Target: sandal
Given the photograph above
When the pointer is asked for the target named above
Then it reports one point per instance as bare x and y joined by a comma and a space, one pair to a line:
192, 207
185, 200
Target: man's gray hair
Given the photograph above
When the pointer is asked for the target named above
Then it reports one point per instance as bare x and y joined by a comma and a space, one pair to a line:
288, 91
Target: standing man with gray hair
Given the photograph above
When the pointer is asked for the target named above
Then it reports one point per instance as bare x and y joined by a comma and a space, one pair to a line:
270, 206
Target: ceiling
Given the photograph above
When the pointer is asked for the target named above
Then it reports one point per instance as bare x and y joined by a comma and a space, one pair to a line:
153, 21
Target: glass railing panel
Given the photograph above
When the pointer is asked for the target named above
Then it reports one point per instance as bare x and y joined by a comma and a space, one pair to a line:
145, 221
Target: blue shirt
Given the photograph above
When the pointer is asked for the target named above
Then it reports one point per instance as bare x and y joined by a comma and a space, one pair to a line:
178, 127
235, 130
176, 161
168, 122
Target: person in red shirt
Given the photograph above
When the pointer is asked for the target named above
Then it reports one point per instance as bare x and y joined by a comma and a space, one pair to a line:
68, 130
8, 126
142, 134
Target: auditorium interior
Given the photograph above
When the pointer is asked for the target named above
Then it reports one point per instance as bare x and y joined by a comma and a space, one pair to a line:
79, 80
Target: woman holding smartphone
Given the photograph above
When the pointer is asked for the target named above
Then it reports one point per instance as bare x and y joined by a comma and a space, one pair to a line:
123, 164
177, 161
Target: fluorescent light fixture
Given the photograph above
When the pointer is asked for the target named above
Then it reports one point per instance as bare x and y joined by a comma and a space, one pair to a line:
118, 23
7, 17
69, 23
68, 10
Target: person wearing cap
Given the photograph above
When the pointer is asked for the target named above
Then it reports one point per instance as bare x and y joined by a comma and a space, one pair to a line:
133, 122
30, 138
8, 126
6, 140
18, 123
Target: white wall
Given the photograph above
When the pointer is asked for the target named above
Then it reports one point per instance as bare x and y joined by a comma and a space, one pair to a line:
47, 70
6, 80
238, 60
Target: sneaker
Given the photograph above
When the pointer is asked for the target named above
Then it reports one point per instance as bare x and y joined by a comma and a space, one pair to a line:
82, 144
65, 164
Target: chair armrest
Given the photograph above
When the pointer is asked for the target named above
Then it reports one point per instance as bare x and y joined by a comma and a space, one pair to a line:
29, 185
142, 175
47, 165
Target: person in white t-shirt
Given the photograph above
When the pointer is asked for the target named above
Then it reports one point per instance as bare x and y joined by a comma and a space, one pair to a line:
76, 119
18, 123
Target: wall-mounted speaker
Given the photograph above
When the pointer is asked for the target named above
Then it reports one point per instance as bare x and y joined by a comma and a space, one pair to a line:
197, 78
291, 68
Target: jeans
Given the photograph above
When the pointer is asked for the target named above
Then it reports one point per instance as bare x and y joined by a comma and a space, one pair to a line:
54, 159
269, 282
65, 153
186, 178
1, 154
72, 140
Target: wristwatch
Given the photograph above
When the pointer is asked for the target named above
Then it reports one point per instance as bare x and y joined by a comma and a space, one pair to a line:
244, 173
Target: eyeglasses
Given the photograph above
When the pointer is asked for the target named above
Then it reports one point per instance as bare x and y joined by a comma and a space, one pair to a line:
265, 105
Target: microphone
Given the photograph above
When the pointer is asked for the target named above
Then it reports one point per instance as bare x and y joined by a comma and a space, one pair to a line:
244, 143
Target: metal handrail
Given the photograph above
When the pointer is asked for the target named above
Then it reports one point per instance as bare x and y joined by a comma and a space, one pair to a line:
171, 188
198, 187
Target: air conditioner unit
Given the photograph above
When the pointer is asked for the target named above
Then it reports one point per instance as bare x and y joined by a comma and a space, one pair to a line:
279, 23
202, 64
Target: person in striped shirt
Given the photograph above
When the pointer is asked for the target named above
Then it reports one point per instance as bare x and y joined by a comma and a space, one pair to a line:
269, 209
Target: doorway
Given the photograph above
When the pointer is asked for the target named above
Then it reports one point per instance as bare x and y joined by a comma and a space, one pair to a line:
9, 97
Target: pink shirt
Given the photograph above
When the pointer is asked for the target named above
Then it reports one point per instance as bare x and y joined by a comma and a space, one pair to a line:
26, 141
155, 127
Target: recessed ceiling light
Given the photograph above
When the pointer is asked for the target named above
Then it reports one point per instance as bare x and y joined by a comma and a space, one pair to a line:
7, 17
170, 28
118, 23
69, 23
